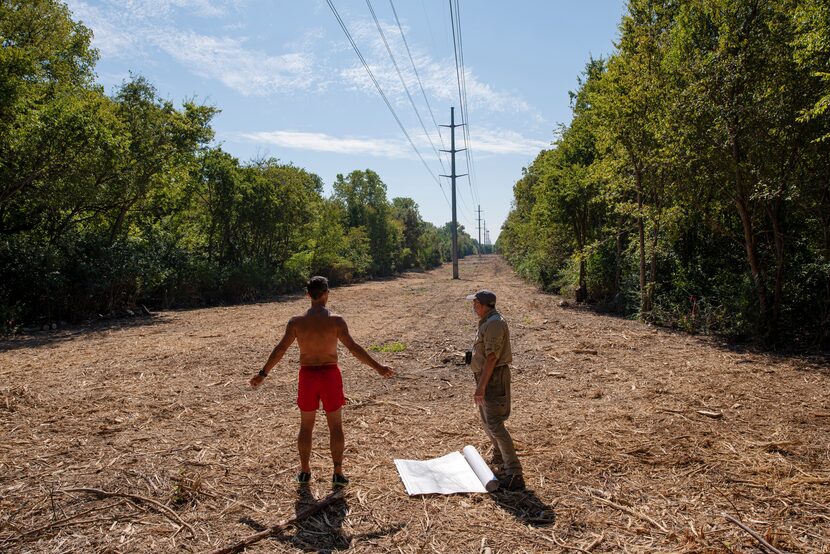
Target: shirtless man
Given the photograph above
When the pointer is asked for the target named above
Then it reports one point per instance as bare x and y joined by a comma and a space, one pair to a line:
317, 332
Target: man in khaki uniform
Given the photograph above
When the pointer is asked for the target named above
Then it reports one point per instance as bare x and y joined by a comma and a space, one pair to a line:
490, 358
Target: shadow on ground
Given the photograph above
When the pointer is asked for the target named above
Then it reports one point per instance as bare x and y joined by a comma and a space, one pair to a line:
72, 332
322, 532
526, 507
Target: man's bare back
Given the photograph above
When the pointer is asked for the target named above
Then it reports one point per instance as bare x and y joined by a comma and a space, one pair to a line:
317, 331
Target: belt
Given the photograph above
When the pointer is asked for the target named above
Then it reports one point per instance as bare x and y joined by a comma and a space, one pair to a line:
502, 366
319, 367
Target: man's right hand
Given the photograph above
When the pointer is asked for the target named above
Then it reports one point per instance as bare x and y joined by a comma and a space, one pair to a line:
386, 371
256, 381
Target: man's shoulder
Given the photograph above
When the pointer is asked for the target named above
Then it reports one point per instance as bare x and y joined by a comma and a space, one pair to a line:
299, 318
494, 323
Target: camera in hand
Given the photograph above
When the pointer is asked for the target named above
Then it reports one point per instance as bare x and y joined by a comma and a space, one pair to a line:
468, 357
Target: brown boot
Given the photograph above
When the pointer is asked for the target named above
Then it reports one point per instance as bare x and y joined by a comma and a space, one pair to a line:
512, 483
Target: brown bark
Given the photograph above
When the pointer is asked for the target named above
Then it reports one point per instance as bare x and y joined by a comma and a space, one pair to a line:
741, 204
618, 268
774, 211
654, 237
645, 304
580, 230
582, 291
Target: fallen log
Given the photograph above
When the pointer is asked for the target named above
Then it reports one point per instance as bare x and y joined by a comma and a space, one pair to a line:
280, 527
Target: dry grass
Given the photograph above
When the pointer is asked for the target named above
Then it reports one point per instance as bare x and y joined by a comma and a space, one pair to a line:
607, 417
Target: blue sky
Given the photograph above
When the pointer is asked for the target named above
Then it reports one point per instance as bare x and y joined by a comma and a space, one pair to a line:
290, 85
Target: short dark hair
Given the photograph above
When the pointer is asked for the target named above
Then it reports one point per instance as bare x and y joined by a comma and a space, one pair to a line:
316, 286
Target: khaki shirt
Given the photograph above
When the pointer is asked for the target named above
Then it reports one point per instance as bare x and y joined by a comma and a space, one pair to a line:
492, 336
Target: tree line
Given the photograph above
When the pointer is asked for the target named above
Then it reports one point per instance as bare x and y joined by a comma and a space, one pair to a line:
692, 185
111, 201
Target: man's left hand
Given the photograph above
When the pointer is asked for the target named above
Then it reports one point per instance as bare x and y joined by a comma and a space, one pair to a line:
478, 397
256, 381
386, 371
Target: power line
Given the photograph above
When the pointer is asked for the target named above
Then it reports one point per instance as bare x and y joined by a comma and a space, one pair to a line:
403, 82
465, 112
462, 86
417, 76
383, 95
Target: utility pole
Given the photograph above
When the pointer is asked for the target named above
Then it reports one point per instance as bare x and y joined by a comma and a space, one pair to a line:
485, 237
454, 224
479, 230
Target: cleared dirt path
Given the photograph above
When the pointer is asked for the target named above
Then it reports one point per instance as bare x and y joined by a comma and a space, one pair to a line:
607, 416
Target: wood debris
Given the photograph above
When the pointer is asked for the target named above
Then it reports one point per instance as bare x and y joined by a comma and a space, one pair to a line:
156, 416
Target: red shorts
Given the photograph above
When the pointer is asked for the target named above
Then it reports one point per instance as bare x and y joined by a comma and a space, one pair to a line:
320, 382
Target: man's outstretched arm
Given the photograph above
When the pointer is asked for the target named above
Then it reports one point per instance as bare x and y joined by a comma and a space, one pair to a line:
359, 352
276, 355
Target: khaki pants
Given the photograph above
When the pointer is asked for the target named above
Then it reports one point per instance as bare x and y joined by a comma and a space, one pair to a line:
494, 413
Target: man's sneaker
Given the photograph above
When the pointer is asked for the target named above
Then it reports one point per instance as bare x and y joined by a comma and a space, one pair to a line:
512, 483
339, 480
303, 478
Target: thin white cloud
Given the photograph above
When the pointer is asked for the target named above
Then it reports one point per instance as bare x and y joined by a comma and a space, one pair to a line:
484, 141
438, 76
248, 72
321, 142
502, 141
205, 8
121, 27
110, 38
155, 9
129, 27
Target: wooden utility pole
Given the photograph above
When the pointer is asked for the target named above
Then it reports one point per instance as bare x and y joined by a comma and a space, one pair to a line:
454, 224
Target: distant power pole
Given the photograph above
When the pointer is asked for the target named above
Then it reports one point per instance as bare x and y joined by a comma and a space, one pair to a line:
454, 224
486, 251
479, 230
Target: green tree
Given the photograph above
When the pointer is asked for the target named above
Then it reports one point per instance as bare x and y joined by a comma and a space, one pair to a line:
48, 121
405, 211
161, 145
812, 53
743, 95
363, 195
631, 102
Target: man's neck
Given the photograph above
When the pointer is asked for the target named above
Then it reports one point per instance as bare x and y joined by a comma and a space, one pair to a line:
488, 313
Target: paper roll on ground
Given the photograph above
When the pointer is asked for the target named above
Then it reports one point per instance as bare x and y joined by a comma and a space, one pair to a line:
445, 475
480, 467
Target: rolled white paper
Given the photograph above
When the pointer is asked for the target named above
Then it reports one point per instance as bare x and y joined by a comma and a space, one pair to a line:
480, 467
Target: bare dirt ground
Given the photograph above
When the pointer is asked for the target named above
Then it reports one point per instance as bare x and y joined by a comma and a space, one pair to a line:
609, 416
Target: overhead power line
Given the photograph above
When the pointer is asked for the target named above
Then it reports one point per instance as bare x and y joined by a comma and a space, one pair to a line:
461, 78
417, 76
403, 83
383, 95
465, 114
